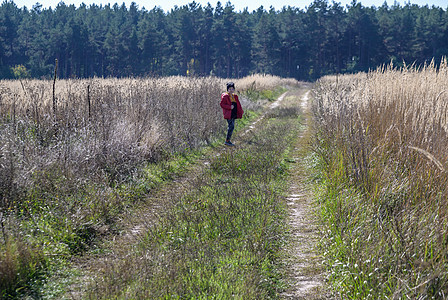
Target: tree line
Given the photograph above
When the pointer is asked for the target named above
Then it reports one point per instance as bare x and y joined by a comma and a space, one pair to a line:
119, 41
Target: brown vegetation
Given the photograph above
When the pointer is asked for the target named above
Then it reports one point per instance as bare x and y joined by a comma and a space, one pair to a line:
382, 138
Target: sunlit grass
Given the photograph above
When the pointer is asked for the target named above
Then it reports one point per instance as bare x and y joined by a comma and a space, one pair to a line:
380, 143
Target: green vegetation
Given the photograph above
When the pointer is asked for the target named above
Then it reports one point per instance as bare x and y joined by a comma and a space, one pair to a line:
20, 263
20, 72
253, 94
221, 238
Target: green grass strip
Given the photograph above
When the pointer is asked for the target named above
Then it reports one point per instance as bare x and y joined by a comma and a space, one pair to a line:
221, 239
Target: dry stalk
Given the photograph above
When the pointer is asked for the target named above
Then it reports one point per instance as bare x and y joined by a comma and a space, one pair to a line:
429, 156
88, 102
54, 86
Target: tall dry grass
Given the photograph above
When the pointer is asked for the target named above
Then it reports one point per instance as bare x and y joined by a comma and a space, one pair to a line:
262, 82
382, 141
103, 127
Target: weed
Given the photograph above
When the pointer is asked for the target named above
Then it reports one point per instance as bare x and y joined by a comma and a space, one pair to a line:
19, 262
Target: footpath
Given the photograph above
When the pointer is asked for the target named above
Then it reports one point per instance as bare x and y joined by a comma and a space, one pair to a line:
305, 275
304, 269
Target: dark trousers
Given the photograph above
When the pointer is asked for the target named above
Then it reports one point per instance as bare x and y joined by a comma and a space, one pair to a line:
231, 123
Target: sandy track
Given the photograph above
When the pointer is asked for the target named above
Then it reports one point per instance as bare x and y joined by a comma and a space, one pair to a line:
304, 269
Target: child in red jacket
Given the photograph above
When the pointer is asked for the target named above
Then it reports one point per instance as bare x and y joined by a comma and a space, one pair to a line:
232, 110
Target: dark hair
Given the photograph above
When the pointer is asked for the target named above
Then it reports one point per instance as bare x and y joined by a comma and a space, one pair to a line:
230, 84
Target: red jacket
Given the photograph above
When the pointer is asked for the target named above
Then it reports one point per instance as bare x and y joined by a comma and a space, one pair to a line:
226, 105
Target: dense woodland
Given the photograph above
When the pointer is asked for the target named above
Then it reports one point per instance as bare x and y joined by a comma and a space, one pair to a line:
121, 41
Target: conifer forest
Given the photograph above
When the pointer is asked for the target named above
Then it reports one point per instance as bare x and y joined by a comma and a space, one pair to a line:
119, 41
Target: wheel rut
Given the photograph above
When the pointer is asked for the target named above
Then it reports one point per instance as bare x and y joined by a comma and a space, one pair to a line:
91, 267
305, 274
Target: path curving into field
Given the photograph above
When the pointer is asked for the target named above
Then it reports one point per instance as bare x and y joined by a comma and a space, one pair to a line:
304, 270
273, 105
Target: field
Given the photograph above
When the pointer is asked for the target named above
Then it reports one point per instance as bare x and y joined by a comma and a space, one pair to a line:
121, 188
381, 147
78, 155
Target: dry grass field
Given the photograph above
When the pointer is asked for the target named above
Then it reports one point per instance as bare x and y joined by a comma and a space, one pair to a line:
381, 142
75, 154
106, 126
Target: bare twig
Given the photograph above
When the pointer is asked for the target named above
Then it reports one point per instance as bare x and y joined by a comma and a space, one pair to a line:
88, 101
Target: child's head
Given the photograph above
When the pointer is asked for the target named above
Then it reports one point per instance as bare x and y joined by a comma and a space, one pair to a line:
230, 85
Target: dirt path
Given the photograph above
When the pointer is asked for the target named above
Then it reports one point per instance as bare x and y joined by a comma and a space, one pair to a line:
306, 277
304, 269
271, 106
91, 267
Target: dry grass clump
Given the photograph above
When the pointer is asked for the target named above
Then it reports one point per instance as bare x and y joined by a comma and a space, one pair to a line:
382, 139
261, 82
